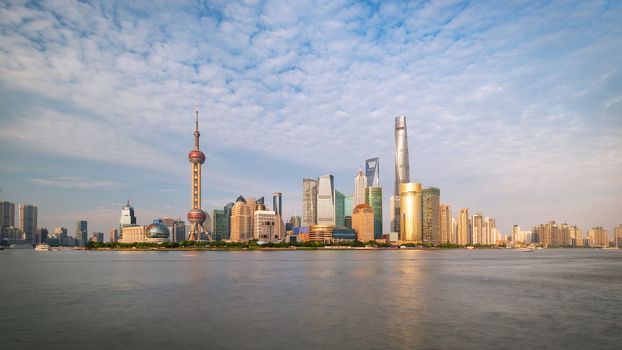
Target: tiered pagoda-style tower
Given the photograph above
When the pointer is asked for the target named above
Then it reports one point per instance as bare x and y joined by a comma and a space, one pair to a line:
196, 215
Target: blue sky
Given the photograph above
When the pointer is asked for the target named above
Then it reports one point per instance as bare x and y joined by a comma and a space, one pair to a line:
513, 108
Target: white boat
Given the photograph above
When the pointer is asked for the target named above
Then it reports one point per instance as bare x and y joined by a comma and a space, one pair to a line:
524, 249
20, 246
43, 247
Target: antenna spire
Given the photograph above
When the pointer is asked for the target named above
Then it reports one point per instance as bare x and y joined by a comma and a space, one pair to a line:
196, 124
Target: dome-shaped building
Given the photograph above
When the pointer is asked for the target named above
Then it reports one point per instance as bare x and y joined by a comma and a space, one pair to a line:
157, 233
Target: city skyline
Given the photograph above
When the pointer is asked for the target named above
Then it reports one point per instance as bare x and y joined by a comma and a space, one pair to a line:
522, 142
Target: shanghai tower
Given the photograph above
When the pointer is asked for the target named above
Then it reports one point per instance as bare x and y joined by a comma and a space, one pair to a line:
402, 170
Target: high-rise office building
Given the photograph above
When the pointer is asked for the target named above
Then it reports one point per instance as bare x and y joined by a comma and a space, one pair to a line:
277, 203
219, 230
127, 218
347, 205
410, 212
295, 221
454, 231
394, 213
617, 236
28, 222
340, 209
431, 217
445, 222
309, 202
114, 235
265, 227
326, 200
576, 237
227, 209
81, 234
373, 197
402, 166
7, 219
477, 230
242, 220
196, 215
360, 183
464, 227
518, 236
363, 222
490, 228
61, 234
402, 171
598, 237
372, 172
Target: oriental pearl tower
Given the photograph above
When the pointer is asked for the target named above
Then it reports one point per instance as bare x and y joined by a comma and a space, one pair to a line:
196, 215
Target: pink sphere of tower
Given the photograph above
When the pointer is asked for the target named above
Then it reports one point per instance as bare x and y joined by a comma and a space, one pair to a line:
196, 216
196, 157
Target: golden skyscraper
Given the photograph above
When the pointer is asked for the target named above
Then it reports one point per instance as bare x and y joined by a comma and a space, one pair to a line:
410, 212
363, 222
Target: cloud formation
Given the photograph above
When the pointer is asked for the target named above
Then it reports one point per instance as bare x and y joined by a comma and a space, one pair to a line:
515, 110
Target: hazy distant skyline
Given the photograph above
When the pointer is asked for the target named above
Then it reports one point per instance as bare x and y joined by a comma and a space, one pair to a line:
514, 110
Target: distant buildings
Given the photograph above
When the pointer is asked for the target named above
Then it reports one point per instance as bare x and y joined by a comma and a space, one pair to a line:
445, 223
7, 222
127, 217
81, 233
340, 211
277, 203
598, 237
28, 222
617, 236
464, 227
114, 235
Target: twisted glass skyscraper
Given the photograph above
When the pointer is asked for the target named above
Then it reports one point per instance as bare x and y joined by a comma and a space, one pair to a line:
402, 168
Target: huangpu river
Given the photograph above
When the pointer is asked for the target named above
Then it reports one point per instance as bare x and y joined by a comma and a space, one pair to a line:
408, 299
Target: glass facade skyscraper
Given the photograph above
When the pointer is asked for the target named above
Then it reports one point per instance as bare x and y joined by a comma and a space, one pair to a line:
339, 209
81, 233
372, 172
28, 222
219, 231
373, 197
309, 202
326, 200
277, 203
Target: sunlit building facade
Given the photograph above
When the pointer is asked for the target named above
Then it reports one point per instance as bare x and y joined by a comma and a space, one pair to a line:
463, 227
617, 236
431, 217
360, 183
445, 222
326, 200
28, 222
411, 213
598, 237
242, 220
363, 222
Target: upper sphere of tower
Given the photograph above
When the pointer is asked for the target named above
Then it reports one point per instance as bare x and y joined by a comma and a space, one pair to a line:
196, 156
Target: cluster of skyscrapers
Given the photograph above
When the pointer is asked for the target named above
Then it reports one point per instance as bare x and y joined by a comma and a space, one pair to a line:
553, 234
416, 215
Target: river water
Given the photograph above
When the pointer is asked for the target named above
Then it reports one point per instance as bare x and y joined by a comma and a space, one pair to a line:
411, 299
